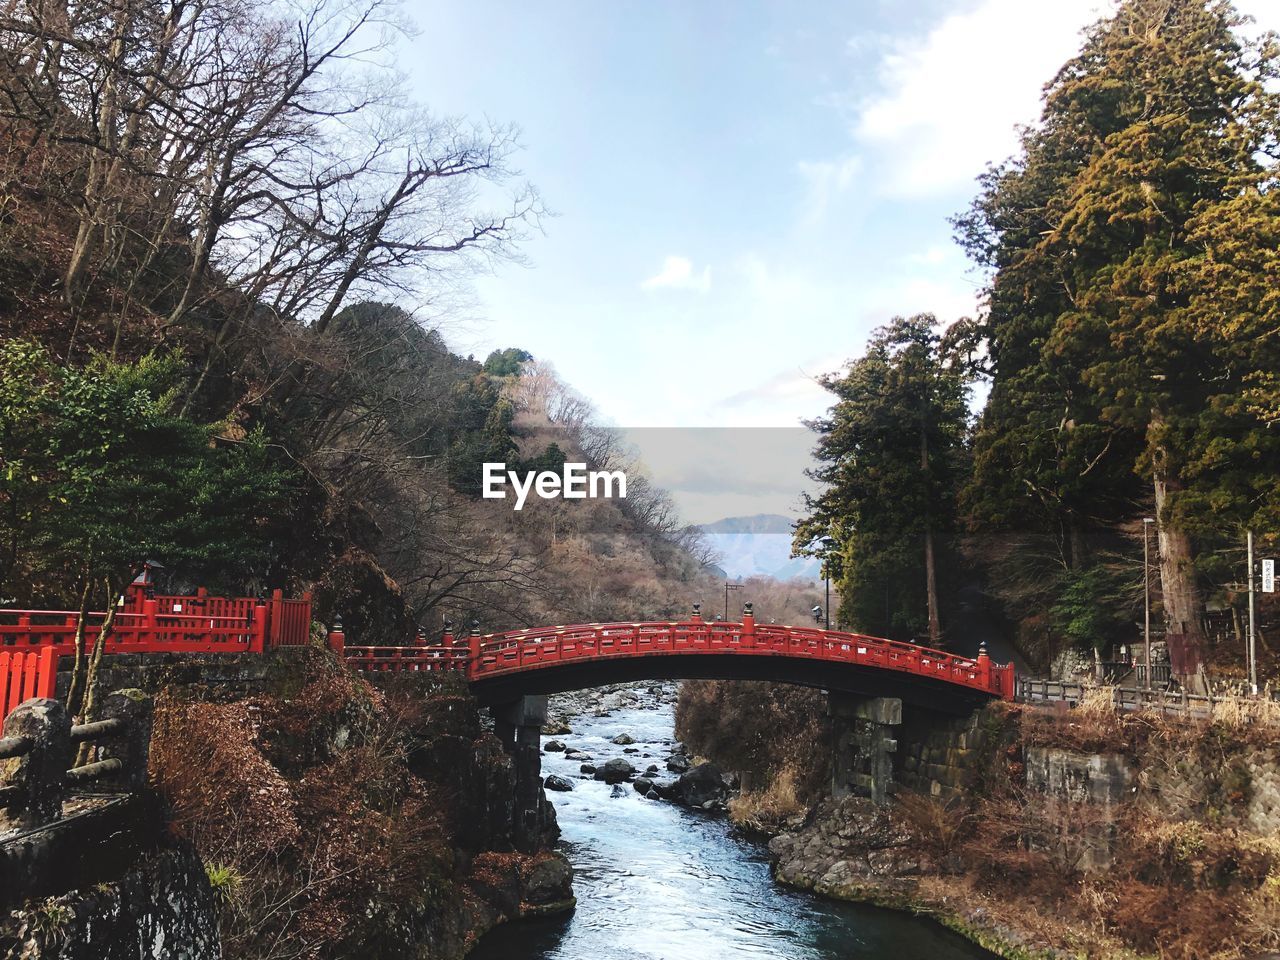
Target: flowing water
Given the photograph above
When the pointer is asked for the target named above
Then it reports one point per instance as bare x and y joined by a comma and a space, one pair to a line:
658, 882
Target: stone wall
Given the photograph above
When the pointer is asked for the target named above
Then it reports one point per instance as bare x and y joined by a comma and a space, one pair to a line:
944, 756
162, 908
220, 677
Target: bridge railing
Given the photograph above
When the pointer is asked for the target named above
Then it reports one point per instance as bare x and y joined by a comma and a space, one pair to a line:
437, 658
497, 654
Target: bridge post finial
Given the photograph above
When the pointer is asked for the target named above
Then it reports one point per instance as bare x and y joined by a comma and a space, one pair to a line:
337, 638
697, 612
748, 625
984, 664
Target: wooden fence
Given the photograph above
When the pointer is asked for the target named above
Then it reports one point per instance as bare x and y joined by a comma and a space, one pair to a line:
1179, 704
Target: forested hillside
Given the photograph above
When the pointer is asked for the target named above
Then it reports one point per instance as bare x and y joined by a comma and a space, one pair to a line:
1130, 348
230, 247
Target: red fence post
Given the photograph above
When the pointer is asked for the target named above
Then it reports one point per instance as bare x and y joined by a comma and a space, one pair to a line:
275, 616
748, 626
149, 608
258, 629
47, 673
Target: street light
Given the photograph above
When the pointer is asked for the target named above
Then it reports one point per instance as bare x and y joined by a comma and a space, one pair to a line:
827, 544
1146, 589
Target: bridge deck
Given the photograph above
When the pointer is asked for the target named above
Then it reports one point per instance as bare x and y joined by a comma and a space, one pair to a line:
540, 650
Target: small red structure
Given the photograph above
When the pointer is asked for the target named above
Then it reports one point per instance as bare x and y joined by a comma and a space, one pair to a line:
31, 641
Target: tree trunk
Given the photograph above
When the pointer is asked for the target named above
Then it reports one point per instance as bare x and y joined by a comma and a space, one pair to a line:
95, 662
76, 694
1179, 592
930, 567
931, 590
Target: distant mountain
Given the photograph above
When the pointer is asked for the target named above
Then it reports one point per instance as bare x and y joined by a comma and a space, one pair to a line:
757, 546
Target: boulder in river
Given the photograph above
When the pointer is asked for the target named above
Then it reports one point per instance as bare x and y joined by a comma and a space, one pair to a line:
554, 746
678, 763
548, 884
617, 791
702, 785
651, 768
652, 795
642, 785
587, 768
615, 771
558, 783
623, 740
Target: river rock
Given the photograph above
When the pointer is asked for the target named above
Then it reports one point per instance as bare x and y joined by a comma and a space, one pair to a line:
554, 728
652, 795
587, 768
548, 881
678, 763
615, 771
651, 768
702, 785
642, 785
617, 791
631, 750
558, 783
623, 740
554, 746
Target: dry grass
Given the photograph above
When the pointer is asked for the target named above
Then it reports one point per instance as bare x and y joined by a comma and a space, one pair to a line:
766, 809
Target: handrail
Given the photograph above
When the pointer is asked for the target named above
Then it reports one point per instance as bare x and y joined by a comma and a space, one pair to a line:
533, 647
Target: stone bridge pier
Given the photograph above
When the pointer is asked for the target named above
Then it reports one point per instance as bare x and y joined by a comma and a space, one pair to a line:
518, 724
864, 734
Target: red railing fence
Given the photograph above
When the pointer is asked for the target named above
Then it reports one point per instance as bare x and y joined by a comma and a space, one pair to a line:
25, 674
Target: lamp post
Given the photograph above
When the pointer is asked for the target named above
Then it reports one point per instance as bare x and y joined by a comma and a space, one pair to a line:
1146, 590
827, 544
727, 587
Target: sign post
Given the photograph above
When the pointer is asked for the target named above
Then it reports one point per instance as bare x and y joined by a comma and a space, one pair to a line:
1253, 652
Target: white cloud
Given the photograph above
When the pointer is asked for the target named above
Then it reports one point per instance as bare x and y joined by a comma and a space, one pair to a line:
677, 274
952, 98
827, 179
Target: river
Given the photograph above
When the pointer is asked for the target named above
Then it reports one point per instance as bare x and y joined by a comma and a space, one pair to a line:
658, 882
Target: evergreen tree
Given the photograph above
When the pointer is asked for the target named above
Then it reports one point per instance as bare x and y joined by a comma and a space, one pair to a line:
1097, 235
892, 449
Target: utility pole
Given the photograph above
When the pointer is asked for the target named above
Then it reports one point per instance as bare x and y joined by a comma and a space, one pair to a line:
1146, 589
727, 587
1253, 649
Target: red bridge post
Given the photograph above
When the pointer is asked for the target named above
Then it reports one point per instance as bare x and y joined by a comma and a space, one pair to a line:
473, 648
258, 628
984, 665
337, 639
748, 626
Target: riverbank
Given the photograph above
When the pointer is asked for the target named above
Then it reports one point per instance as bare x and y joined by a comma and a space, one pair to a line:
658, 879
311, 814
1038, 834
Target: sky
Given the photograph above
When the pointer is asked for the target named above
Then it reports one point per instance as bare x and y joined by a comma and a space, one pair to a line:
741, 190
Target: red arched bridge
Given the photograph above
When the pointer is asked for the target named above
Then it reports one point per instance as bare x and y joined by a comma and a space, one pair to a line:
502, 666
